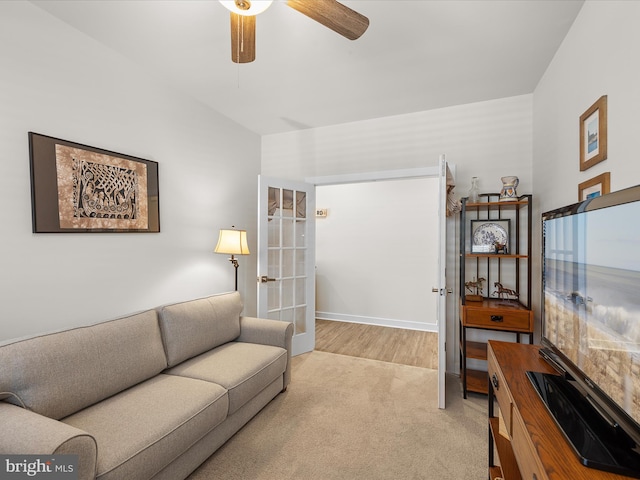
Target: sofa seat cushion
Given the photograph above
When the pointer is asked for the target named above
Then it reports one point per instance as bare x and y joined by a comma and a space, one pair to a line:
143, 429
244, 369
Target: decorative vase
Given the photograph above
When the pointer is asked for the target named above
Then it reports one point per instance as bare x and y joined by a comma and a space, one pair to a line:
474, 191
508, 192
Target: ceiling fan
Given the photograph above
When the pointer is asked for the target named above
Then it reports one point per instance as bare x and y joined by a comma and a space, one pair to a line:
330, 13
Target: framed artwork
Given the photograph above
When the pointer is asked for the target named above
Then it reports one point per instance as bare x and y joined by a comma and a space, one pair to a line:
594, 187
490, 236
593, 134
80, 189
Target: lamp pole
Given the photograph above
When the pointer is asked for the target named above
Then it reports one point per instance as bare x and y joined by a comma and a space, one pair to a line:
234, 262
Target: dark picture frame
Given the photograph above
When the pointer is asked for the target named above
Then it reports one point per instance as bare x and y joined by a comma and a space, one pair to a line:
594, 187
76, 188
485, 234
593, 134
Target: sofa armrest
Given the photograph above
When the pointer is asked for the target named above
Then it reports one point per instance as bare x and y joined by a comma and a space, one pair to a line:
28, 433
268, 332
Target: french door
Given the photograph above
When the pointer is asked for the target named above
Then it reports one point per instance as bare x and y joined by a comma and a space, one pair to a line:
442, 280
286, 257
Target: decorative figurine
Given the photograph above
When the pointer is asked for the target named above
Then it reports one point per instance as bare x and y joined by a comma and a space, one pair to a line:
500, 247
476, 288
503, 292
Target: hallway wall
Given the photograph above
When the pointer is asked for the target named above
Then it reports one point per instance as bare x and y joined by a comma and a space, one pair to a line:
376, 236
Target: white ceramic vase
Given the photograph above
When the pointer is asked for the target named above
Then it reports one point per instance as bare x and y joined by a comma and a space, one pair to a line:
508, 192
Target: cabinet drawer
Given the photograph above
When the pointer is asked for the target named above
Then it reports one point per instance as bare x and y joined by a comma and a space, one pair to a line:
516, 320
526, 456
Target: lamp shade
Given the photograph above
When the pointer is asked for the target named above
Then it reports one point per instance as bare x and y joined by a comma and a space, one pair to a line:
232, 242
247, 7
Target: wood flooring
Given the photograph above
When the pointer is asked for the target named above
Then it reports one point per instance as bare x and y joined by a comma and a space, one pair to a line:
394, 345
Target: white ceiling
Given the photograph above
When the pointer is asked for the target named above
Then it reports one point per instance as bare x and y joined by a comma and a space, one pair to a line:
416, 55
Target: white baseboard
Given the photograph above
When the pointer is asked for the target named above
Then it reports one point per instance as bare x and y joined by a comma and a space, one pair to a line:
381, 322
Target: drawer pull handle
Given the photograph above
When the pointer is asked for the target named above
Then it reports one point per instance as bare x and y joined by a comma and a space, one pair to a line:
494, 380
496, 318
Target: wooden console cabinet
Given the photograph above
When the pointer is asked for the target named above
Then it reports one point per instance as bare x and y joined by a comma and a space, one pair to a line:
528, 443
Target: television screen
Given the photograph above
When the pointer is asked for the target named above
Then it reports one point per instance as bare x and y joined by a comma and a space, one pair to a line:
591, 297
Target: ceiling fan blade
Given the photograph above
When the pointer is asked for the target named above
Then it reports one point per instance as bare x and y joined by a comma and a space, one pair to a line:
333, 15
243, 38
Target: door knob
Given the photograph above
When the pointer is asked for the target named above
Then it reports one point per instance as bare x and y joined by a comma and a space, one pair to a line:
437, 290
265, 279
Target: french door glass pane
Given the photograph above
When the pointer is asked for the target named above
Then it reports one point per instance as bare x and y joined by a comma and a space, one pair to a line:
287, 203
300, 228
274, 232
287, 292
287, 233
301, 256
273, 268
301, 287
287, 315
300, 325
273, 296
301, 204
288, 263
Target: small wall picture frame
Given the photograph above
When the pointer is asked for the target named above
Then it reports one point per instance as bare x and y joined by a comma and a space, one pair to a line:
593, 134
490, 236
594, 187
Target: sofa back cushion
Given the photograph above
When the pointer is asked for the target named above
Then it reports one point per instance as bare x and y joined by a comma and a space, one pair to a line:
61, 373
193, 327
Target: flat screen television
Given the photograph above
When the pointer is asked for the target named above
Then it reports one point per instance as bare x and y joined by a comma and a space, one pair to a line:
591, 328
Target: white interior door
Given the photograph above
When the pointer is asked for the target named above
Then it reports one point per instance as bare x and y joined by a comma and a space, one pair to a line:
286, 257
442, 287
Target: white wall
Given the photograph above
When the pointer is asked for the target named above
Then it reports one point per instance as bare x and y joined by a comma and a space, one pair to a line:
58, 82
599, 56
487, 139
366, 250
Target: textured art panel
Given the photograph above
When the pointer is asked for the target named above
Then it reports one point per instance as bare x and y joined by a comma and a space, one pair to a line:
76, 188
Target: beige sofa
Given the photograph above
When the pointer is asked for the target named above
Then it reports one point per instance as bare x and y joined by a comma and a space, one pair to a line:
148, 396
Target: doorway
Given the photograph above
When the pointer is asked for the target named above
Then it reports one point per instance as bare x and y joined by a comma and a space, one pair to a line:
376, 253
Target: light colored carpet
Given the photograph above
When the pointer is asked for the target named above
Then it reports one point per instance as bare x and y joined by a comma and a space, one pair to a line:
353, 418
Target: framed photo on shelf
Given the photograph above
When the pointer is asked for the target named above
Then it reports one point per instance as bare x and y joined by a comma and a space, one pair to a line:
80, 189
593, 134
490, 236
594, 187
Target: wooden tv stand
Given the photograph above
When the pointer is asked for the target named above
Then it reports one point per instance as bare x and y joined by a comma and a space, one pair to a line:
528, 443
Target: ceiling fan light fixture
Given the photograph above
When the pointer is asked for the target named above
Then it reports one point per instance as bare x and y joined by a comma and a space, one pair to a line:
247, 7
